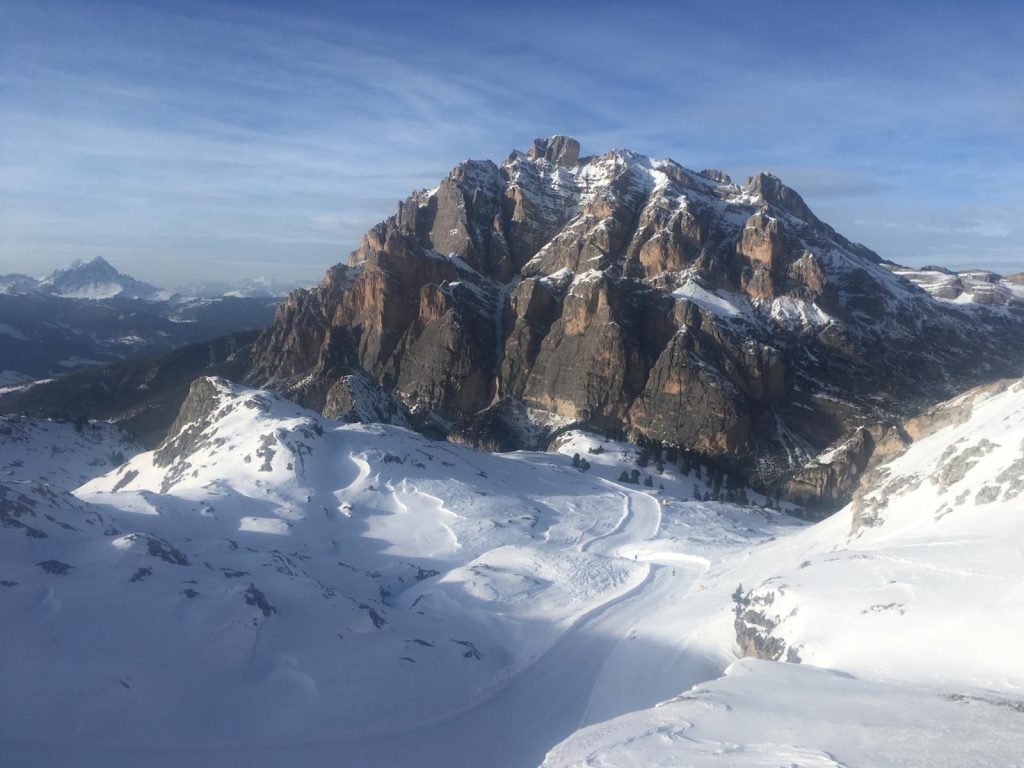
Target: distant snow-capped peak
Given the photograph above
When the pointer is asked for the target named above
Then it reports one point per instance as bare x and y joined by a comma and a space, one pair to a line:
96, 279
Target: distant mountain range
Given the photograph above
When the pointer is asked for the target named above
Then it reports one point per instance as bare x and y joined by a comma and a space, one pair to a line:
91, 313
253, 287
99, 279
615, 293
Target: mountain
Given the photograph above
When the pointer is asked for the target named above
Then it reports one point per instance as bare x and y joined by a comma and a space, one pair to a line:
16, 284
91, 314
271, 587
44, 336
99, 279
141, 396
968, 287
267, 571
642, 299
247, 287
903, 610
96, 279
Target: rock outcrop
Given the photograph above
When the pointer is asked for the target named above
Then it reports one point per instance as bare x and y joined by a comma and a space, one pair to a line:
640, 298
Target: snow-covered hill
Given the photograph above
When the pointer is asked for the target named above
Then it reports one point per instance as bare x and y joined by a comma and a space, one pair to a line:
764, 714
268, 578
269, 587
61, 454
908, 603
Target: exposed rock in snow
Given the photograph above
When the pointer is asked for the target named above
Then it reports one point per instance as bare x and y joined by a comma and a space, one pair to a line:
902, 610
348, 580
636, 296
362, 590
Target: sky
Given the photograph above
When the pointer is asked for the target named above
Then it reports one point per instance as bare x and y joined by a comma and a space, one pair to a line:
213, 140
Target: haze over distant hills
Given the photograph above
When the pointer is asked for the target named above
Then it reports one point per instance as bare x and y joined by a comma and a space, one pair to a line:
96, 279
99, 279
90, 313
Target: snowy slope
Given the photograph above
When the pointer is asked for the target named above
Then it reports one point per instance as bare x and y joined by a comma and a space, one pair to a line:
269, 580
921, 576
59, 453
272, 588
909, 603
978, 289
764, 714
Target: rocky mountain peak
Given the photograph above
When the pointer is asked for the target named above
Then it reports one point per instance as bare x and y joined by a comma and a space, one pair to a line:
560, 150
770, 188
720, 176
16, 283
97, 265
636, 297
205, 397
95, 279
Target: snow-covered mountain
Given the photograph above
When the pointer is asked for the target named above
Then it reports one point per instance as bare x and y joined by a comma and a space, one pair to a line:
246, 287
90, 314
347, 577
15, 283
96, 279
642, 298
905, 610
976, 287
270, 587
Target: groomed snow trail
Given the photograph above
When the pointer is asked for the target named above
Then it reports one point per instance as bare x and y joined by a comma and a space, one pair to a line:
540, 706
550, 699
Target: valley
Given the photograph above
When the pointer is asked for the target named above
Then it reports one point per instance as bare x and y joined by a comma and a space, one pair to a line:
362, 594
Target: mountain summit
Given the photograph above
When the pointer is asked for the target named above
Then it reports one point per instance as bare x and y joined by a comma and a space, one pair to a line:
636, 296
96, 279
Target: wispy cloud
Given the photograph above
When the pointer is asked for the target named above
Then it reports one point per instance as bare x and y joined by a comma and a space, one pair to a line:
204, 136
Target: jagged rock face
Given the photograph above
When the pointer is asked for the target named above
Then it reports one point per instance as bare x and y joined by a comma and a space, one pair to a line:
837, 474
634, 295
356, 398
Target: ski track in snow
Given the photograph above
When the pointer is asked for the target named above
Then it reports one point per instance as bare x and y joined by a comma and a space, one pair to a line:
420, 604
551, 698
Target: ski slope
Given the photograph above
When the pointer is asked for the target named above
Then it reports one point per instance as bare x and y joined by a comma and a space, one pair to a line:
271, 583
271, 588
764, 714
905, 609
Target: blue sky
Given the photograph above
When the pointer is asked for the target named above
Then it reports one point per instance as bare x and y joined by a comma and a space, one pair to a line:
207, 140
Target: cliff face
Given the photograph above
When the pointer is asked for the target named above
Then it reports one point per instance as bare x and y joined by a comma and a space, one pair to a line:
633, 295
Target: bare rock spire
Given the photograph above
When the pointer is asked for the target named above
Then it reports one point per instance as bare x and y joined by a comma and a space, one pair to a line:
560, 150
